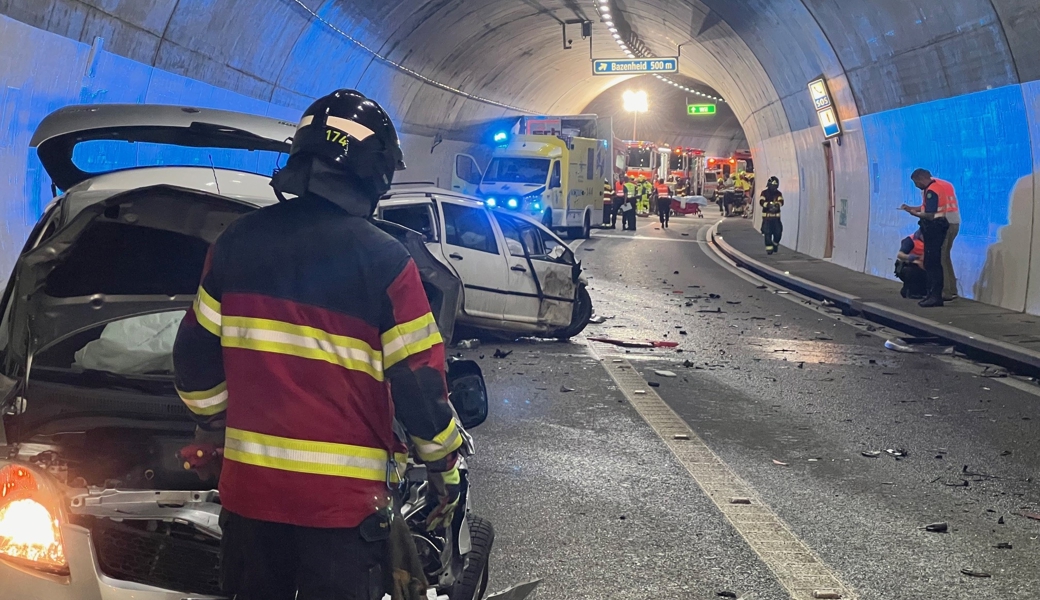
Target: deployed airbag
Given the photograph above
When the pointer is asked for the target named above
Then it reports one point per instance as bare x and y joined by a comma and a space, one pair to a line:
134, 346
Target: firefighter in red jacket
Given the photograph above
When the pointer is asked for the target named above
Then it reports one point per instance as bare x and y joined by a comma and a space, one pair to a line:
310, 333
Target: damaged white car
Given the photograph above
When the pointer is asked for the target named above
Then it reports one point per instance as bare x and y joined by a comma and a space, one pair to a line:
518, 276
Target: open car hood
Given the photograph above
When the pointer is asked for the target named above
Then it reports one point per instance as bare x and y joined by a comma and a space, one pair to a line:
141, 252
61, 131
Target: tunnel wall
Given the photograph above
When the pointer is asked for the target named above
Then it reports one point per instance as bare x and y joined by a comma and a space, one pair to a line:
41, 72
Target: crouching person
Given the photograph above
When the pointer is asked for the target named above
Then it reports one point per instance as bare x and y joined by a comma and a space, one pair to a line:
910, 267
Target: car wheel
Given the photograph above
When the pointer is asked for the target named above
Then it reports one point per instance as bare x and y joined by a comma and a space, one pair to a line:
580, 317
586, 229
473, 583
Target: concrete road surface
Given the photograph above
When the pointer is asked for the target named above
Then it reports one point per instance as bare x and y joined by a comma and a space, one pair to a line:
745, 473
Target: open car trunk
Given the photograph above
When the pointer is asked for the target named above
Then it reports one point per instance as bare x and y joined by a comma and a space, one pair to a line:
95, 309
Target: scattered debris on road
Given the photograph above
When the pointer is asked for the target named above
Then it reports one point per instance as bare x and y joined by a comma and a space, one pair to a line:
1004, 546
898, 453
780, 464
681, 436
725, 593
993, 371
740, 500
974, 573
937, 527
871, 453
897, 347
1029, 515
566, 389
653, 384
666, 373
635, 343
826, 594
468, 344
500, 354
598, 320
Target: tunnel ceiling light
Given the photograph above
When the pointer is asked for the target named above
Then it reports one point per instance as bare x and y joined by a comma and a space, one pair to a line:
617, 37
612, 30
609, 24
636, 101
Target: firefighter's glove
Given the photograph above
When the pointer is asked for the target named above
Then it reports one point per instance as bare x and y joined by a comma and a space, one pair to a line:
204, 456
442, 494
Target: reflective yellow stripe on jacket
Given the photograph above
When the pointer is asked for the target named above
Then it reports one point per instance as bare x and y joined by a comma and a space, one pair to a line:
206, 403
409, 338
265, 335
443, 444
207, 311
305, 456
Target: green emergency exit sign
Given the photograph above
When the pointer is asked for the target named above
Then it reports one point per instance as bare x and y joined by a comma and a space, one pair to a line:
700, 109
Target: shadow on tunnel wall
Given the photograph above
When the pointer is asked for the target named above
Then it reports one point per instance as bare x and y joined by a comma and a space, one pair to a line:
1004, 280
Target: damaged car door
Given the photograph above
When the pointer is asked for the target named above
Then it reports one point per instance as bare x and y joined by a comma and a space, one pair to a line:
543, 277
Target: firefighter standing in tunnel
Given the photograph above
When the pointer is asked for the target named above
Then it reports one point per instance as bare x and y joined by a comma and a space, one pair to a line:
310, 332
771, 202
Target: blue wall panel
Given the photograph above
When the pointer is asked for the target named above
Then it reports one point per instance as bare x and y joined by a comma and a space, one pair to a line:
979, 142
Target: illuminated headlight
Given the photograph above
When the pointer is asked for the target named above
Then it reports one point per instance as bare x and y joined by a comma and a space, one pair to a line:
29, 533
513, 203
491, 202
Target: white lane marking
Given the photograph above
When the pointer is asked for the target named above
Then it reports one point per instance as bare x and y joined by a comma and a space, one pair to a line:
645, 237
797, 568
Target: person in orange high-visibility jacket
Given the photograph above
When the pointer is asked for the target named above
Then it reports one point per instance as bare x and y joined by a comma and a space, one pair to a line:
310, 333
935, 213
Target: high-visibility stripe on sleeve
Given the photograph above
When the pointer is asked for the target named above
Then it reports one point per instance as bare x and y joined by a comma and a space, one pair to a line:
305, 456
443, 444
206, 403
410, 338
279, 337
207, 311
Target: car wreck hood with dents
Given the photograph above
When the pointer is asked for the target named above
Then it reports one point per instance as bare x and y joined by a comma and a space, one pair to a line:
95, 501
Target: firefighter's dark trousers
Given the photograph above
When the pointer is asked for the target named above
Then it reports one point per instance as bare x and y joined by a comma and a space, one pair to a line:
261, 560
773, 230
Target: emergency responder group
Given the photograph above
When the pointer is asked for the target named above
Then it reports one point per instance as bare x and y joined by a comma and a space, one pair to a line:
939, 219
310, 334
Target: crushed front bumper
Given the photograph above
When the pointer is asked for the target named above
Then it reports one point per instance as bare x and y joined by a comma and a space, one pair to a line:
85, 580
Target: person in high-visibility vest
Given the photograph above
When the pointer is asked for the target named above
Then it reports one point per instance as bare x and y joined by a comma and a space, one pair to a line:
664, 203
618, 200
910, 267
939, 205
628, 209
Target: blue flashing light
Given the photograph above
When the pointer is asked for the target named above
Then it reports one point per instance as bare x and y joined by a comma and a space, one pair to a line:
512, 203
500, 137
537, 206
491, 202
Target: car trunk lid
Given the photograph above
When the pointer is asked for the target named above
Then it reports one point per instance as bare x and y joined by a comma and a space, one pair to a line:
63, 130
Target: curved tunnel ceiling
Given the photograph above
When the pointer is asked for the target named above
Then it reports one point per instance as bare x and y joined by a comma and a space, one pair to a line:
759, 54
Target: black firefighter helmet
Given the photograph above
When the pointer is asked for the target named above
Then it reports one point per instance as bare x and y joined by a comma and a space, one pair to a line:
344, 136
774, 182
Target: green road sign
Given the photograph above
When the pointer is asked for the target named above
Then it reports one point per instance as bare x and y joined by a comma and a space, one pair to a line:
700, 109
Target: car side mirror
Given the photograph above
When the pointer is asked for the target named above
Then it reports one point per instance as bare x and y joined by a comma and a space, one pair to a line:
467, 392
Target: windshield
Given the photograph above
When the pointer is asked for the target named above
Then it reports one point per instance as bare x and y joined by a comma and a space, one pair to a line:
640, 158
100, 156
517, 170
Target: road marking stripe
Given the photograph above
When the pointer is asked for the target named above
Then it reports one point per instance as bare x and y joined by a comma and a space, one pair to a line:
645, 237
798, 569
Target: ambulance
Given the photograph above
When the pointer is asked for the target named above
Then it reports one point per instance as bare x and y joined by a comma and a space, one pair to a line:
557, 179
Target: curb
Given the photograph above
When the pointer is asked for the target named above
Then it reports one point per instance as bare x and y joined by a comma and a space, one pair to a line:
1013, 357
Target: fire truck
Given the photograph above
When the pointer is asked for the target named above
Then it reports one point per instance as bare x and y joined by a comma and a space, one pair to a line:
643, 159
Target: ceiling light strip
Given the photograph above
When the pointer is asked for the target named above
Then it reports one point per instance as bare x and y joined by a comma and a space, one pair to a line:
405, 69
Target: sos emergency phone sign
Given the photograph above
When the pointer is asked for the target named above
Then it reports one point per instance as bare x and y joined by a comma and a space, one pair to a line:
825, 110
